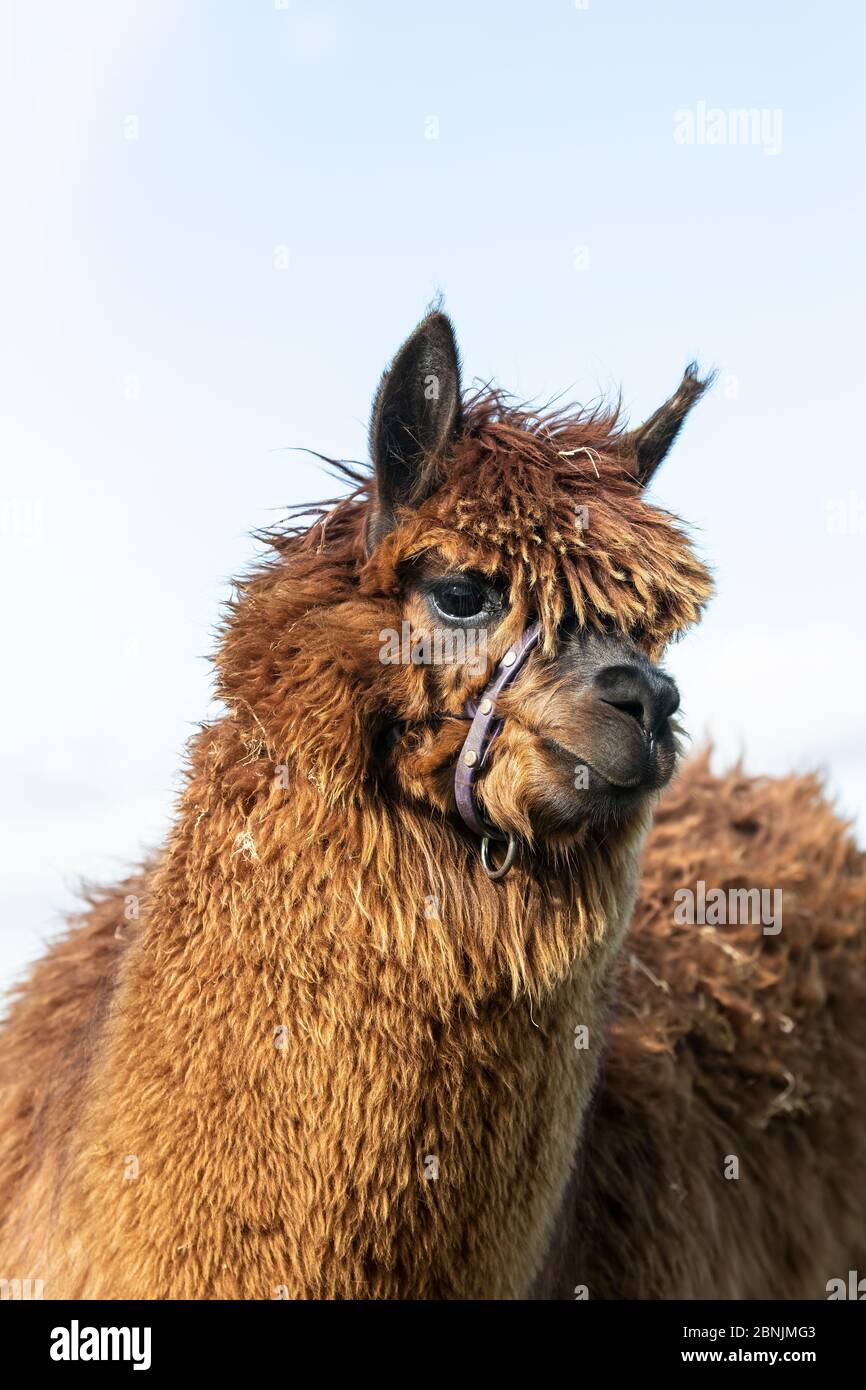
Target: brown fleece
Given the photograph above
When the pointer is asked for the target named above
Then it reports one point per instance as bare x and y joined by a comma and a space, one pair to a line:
724, 1042
312, 1051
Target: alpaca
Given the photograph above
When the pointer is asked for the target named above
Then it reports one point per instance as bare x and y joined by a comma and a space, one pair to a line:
338, 1039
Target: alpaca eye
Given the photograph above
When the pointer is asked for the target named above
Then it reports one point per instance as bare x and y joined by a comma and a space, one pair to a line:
462, 597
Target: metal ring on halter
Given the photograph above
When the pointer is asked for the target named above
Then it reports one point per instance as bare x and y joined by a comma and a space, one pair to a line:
508, 861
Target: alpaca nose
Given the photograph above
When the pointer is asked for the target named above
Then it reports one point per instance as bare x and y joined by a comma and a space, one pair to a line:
648, 695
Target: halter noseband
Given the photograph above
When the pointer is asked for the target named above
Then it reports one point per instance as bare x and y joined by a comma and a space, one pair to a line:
485, 726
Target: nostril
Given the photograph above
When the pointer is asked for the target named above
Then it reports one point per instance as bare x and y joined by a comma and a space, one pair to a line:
647, 696
632, 707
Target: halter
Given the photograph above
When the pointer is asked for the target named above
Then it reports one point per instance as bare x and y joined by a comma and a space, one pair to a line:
485, 726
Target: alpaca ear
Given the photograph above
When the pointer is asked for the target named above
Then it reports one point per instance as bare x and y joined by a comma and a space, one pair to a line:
652, 440
416, 417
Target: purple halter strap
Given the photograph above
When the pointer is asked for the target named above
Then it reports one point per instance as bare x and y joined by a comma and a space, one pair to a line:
486, 724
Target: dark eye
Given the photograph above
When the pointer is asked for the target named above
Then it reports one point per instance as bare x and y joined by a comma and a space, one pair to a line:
461, 597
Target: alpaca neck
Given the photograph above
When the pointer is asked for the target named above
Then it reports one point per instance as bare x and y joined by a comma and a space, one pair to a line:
367, 1062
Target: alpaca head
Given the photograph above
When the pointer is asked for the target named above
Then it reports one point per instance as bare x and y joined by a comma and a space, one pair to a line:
358, 650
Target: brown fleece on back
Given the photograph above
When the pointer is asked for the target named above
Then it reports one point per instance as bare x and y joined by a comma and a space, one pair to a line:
721, 1042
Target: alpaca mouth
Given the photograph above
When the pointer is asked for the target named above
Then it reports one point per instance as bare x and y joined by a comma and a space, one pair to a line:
638, 764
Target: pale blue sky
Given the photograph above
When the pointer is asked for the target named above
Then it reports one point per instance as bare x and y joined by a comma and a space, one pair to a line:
156, 362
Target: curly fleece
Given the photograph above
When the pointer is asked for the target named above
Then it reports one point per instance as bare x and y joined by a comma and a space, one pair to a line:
311, 1051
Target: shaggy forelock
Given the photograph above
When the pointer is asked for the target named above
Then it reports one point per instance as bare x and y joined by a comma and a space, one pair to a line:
549, 498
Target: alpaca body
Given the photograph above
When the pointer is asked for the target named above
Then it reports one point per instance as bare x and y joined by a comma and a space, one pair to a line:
299, 1170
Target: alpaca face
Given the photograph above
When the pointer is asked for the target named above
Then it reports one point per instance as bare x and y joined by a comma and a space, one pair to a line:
588, 730
487, 517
